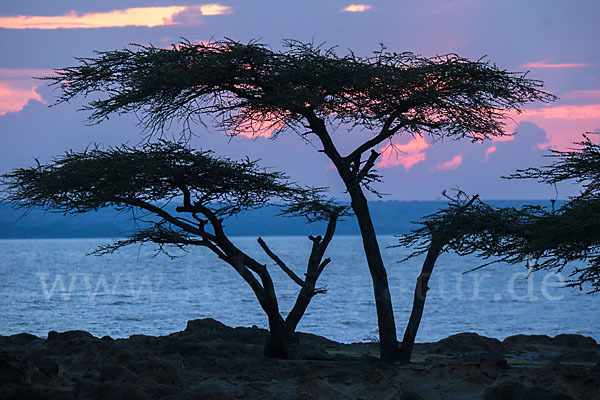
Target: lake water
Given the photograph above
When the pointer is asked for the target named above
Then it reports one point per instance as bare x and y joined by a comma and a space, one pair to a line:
52, 285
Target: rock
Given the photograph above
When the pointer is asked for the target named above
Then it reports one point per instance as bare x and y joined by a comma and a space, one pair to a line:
576, 380
160, 371
87, 389
579, 355
411, 396
39, 393
572, 340
21, 338
14, 369
514, 390
124, 358
205, 325
464, 343
68, 335
492, 366
47, 366
524, 341
123, 391
117, 372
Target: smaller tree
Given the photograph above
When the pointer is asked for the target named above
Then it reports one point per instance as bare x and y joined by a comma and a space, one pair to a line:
569, 235
208, 190
466, 226
547, 239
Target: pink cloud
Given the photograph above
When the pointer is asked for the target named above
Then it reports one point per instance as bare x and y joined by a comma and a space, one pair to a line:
544, 64
563, 124
582, 94
354, 8
452, 164
139, 16
17, 87
255, 129
489, 151
406, 155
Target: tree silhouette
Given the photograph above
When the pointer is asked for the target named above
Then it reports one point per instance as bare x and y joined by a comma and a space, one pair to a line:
308, 89
570, 233
465, 226
546, 239
208, 189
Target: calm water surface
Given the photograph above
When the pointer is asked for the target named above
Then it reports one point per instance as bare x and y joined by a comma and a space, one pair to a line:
52, 285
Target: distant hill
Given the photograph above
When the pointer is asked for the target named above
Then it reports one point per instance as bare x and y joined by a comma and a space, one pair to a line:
389, 217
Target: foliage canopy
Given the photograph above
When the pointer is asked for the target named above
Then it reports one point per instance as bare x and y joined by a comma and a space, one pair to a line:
208, 189
79, 182
244, 84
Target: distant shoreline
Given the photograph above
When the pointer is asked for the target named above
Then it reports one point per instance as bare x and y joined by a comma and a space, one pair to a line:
389, 217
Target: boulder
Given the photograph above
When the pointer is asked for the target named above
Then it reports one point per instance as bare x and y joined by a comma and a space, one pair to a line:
21, 338
524, 341
115, 372
465, 343
514, 390
68, 335
575, 341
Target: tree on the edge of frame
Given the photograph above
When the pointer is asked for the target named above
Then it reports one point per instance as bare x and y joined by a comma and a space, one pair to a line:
570, 234
544, 238
308, 89
208, 190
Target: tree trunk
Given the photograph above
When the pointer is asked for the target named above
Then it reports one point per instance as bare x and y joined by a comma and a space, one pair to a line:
279, 341
388, 342
302, 301
421, 289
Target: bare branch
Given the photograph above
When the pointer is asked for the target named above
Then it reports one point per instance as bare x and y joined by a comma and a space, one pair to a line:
367, 167
279, 262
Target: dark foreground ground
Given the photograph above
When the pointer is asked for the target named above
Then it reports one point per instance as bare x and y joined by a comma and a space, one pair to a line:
209, 360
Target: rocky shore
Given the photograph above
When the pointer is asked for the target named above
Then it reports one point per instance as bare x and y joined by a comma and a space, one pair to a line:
209, 360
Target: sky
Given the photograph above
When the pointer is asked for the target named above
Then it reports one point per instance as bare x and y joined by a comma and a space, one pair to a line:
556, 41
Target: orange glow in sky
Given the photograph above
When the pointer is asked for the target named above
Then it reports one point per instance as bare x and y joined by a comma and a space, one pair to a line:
357, 8
544, 64
406, 155
214, 9
140, 16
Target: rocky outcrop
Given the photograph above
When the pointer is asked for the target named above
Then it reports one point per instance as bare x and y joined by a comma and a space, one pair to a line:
213, 361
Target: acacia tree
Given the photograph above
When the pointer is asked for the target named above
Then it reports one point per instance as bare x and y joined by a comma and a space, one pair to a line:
208, 190
466, 226
308, 89
569, 235
547, 239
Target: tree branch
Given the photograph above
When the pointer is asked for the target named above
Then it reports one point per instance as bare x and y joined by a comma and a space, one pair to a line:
384, 133
317, 125
169, 218
367, 167
279, 262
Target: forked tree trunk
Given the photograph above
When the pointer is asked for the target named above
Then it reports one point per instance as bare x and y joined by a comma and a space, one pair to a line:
421, 289
388, 342
279, 343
